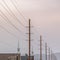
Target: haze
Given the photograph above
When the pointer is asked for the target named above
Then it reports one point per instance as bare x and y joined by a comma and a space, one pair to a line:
45, 17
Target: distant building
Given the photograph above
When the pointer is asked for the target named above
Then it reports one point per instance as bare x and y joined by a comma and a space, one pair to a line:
13, 56
8, 56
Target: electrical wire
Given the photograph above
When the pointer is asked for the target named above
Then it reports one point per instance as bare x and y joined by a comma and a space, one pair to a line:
6, 9
8, 31
12, 13
18, 10
8, 21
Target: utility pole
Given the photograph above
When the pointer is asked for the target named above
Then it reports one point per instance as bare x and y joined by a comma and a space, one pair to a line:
32, 57
49, 53
18, 49
45, 51
29, 38
40, 47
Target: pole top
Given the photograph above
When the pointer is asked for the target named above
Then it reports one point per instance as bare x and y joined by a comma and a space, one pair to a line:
29, 19
40, 35
45, 44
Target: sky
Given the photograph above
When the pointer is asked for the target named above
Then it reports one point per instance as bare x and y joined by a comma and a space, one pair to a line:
45, 19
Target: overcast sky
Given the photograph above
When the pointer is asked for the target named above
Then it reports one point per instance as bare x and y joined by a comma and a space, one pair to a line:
45, 17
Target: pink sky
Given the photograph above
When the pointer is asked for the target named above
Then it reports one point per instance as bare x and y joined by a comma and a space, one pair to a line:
45, 17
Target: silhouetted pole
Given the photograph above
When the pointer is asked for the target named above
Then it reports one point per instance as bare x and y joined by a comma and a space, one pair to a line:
29, 37
49, 53
18, 49
45, 51
32, 56
40, 47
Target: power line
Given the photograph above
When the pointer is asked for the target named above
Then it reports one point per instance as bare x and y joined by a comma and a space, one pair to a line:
6, 9
8, 21
18, 10
8, 31
13, 26
13, 13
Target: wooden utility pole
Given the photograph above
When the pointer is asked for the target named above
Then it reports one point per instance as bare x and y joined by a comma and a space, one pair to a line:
45, 51
29, 38
40, 47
